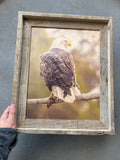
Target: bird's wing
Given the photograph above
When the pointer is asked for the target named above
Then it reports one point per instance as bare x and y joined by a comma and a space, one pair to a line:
57, 69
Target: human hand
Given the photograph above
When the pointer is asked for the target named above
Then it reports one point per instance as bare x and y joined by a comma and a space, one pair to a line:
7, 119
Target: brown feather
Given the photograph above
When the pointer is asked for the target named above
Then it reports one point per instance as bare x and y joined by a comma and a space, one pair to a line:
58, 69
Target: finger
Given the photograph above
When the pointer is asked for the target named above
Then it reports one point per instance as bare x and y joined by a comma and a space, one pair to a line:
5, 113
13, 108
12, 113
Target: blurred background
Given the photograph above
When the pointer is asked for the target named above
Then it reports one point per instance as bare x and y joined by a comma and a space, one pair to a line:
86, 53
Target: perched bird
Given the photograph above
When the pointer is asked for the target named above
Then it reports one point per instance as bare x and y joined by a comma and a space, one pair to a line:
58, 70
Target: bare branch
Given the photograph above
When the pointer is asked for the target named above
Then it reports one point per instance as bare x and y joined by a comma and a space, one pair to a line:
81, 97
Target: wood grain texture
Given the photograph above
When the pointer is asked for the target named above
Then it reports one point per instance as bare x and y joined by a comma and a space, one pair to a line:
104, 76
26, 21
111, 81
63, 131
16, 81
76, 18
24, 71
45, 23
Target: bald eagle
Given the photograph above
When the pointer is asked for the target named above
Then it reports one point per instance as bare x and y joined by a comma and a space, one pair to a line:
58, 70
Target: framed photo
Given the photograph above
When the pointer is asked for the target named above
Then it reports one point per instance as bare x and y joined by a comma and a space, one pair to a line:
63, 77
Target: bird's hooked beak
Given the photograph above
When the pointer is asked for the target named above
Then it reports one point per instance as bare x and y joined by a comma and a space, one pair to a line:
68, 43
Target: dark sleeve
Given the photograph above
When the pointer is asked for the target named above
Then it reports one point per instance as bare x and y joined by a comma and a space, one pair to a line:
8, 139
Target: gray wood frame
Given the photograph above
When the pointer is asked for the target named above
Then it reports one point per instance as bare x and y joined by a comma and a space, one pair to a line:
27, 20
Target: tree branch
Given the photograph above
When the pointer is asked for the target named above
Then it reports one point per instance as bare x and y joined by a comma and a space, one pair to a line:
81, 97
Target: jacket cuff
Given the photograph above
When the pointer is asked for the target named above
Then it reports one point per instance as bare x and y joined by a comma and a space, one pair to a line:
8, 137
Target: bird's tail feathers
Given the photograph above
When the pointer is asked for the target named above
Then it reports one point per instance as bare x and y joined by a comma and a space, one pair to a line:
59, 93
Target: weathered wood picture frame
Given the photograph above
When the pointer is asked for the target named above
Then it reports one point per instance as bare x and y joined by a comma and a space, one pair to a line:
27, 20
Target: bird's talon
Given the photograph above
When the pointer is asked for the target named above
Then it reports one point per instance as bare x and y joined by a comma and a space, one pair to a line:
52, 100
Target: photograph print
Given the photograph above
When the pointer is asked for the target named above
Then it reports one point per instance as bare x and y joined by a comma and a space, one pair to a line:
64, 74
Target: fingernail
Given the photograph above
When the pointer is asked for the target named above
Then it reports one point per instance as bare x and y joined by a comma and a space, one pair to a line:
12, 106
